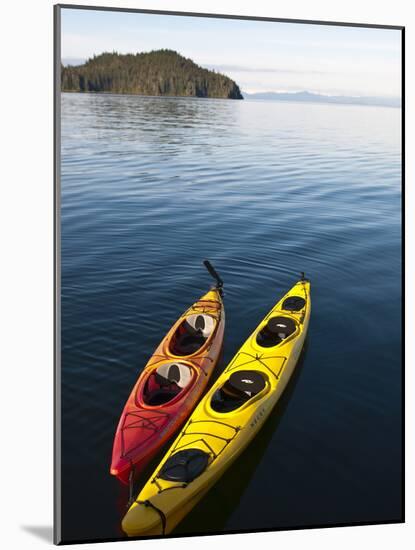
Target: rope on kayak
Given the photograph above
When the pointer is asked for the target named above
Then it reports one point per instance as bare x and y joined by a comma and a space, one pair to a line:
176, 449
131, 484
214, 454
207, 358
141, 421
236, 428
205, 307
148, 504
254, 358
196, 441
227, 439
161, 489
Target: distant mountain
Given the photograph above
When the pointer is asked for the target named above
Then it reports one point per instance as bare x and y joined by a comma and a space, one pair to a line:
309, 97
156, 73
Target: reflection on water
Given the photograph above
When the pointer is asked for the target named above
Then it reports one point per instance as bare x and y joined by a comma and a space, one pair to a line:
151, 187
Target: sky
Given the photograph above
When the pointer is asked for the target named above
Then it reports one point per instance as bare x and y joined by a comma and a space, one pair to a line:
260, 56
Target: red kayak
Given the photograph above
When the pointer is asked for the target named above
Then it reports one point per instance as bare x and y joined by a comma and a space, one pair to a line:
170, 385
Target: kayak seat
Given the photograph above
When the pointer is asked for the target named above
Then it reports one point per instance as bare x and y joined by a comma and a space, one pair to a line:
160, 397
174, 373
189, 344
245, 382
238, 389
275, 331
166, 382
184, 466
200, 323
192, 334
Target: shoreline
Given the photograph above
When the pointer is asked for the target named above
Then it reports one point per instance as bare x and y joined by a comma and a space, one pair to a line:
248, 99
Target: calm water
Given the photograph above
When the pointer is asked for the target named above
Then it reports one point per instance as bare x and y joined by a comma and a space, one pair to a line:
151, 187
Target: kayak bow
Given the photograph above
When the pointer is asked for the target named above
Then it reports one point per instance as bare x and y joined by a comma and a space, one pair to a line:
226, 419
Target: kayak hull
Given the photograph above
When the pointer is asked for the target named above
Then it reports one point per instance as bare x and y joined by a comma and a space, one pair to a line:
222, 435
144, 429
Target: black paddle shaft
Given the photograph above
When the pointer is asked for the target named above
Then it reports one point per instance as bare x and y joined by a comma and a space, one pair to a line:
212, 271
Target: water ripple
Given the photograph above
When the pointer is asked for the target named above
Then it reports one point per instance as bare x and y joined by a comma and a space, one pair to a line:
151, 187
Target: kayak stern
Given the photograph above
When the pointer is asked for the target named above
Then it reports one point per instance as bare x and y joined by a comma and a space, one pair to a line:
142, 520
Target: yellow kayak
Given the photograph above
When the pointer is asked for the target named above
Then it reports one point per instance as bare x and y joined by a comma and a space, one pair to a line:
226, 419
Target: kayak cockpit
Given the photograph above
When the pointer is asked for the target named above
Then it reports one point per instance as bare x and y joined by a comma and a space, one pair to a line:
294, 303
240, 387
275, 331
166, 382
184, 466
192, 334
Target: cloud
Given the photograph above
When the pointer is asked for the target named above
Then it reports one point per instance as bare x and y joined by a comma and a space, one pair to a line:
248, 69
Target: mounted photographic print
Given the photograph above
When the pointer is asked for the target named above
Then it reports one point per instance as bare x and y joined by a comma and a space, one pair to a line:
228, 274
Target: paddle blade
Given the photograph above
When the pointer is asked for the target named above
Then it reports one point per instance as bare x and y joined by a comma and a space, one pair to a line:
213, 273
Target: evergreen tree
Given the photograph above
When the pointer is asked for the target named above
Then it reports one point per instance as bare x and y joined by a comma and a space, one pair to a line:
160, 72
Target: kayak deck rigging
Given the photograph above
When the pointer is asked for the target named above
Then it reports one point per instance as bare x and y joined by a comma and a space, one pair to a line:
214, 455
256, 358
142, 422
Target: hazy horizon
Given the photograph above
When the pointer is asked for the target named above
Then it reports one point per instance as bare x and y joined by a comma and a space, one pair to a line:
387, 101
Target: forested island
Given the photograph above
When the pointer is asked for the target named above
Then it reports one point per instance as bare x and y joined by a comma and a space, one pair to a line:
156, 73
